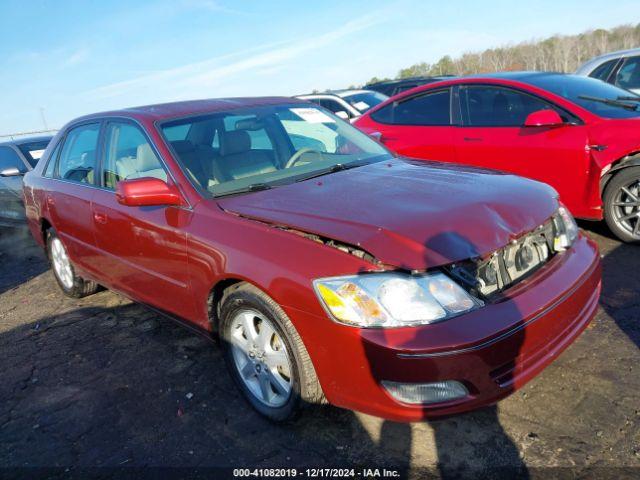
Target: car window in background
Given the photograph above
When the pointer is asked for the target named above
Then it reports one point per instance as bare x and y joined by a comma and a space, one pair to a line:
603, 71
10, 159
302, 139
628, 75
575, 88
426, 109
77, 161
365, 100
128, 155
33, 151
486, 106
333, 106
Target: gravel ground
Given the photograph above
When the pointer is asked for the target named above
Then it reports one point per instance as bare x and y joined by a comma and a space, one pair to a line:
103, 382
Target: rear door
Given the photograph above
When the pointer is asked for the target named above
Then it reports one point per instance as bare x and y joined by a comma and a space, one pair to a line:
69, 201
142, 249
493, 135
419, 126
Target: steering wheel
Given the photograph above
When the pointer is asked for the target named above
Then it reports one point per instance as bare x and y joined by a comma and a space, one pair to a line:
296, 156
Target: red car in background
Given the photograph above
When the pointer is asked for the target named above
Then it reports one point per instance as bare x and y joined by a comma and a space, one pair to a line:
328, 268
577, 134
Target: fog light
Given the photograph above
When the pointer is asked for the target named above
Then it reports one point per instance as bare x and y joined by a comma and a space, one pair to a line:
426, 393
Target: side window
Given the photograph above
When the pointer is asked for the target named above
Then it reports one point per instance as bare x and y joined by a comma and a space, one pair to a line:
10, 159
602, 72
51, 163
78, 157
427, 109
333, 106
629, 74
128, 155
485, 106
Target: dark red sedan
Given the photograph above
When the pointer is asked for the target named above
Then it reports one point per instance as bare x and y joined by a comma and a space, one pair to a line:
329, 269
578, 134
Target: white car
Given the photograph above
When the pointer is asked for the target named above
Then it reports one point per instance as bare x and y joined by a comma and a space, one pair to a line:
346, 104
620, 68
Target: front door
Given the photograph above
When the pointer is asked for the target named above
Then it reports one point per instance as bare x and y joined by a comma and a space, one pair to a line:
493, 136
143, 249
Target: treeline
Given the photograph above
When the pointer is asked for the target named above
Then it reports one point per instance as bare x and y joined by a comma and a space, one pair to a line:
560, 53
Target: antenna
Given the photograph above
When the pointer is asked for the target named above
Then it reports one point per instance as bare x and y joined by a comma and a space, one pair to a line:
44, 121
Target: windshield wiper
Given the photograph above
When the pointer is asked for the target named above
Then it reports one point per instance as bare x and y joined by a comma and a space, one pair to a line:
254, 187
338, 167
630, 99
608, 101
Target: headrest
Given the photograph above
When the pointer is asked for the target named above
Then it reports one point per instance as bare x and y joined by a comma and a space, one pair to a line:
145, 158
236, 141
182, 146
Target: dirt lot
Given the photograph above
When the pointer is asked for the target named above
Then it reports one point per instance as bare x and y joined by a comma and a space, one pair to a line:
103, 382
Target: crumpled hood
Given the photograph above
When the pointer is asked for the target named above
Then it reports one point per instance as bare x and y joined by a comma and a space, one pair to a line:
408, 214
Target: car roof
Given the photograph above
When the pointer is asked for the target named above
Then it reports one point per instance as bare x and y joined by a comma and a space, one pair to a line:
337, 93
163, 111
590, 65
399, 81
22, 141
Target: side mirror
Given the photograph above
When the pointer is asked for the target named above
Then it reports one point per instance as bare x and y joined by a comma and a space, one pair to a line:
10, 172
343, 115
543, 118
377, 136
146, 192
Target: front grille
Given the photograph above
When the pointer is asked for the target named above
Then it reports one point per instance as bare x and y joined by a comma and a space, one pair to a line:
506, 267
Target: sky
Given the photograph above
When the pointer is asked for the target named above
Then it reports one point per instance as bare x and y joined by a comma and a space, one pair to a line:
62, 59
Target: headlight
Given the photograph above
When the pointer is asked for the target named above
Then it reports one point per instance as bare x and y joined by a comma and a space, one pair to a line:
566, 229
393, 299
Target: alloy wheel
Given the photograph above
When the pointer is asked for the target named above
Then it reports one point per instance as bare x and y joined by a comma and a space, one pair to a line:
261, 358
626, 208
61, 263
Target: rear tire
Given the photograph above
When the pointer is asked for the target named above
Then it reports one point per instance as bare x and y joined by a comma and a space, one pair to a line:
622, 205
248, 317
69, 282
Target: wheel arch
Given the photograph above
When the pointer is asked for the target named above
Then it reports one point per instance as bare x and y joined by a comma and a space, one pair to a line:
632, 159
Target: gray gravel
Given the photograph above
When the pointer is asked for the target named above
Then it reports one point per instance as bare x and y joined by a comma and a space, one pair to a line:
103, 382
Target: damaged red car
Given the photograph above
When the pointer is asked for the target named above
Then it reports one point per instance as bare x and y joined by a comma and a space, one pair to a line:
329, 269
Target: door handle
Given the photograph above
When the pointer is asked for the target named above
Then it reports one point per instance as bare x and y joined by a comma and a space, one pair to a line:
100, 217
50, 201
472, 139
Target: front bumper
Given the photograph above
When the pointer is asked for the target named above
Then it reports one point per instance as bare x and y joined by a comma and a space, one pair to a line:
493, 351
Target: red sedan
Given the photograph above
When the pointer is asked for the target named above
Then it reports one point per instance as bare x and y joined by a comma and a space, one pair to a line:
579, 135
329, 269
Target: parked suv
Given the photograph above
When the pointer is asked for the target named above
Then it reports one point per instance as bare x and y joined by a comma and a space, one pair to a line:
621, 69
394, 87
331, 270
16, 158
579, 135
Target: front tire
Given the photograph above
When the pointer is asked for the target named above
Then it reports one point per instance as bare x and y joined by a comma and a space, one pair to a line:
622, 205
71, 284
265, 354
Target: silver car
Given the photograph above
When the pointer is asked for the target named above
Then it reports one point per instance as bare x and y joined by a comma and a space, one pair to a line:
620, 68
17, 157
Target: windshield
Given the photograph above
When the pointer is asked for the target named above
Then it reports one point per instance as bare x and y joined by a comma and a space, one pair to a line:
32, 151
363, 101
263, 147
574, 88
